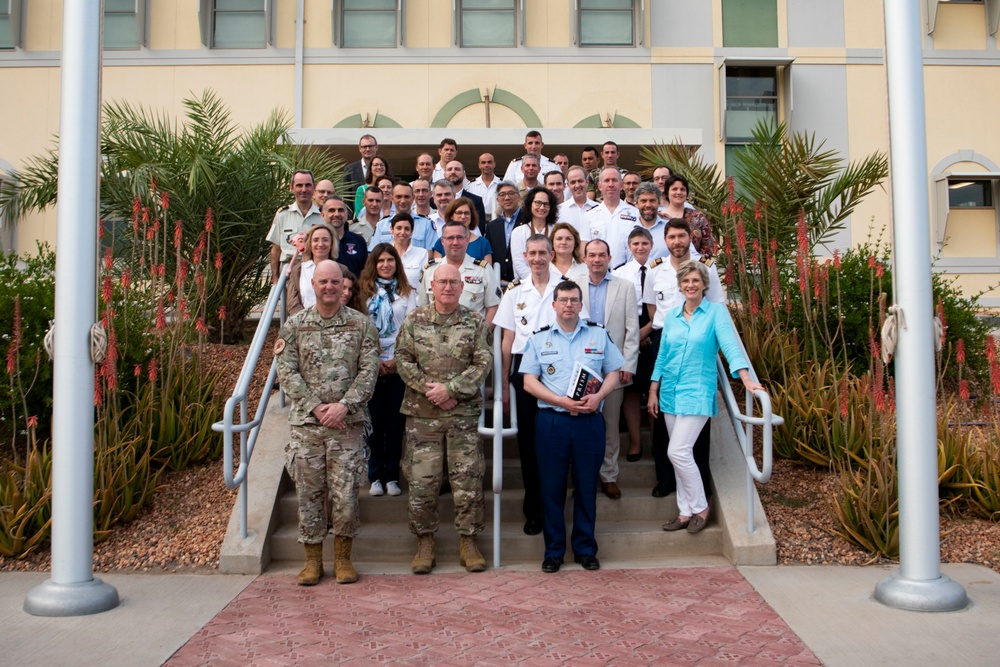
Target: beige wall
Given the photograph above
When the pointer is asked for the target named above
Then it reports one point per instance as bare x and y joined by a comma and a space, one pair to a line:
864, 27
960, 26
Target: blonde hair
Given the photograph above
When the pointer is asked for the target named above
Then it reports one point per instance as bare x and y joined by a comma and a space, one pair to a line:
693, 266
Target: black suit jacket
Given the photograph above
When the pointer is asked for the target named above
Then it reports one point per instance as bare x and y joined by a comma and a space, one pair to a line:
477, 201
494, 233
355, 176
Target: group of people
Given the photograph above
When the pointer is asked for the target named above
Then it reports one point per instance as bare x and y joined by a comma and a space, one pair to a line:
416, 278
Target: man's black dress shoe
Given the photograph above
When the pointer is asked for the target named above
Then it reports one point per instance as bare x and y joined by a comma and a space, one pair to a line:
532, 527
552, 564
588, 562
661, 490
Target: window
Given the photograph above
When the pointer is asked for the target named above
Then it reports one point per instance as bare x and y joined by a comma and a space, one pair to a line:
485, 23
607, 23
753, 90
970, 193
751, 97
10, 24
123, 23
368, 23
750, 23
236, 24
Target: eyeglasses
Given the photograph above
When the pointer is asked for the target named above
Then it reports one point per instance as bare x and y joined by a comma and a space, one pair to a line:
571, 300
447, 283
450, 239
541, 204
367, 146
507, 193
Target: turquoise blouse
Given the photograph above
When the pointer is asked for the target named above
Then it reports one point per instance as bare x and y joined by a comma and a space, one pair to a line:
685, 364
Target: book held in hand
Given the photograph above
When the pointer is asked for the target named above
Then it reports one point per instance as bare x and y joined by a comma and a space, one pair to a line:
583, 382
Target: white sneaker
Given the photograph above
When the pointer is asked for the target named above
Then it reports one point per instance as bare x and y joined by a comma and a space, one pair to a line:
376, 489
393, 489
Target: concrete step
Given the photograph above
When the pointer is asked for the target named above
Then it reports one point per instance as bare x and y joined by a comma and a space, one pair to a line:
393, 544
635, 503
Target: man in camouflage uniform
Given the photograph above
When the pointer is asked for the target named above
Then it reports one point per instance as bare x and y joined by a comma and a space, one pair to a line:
327, 363
442, 355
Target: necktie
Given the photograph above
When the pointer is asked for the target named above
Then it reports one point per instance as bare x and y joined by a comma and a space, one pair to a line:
642, 278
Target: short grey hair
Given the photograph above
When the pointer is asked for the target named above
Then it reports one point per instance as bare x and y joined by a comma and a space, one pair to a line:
648, 188
692, 266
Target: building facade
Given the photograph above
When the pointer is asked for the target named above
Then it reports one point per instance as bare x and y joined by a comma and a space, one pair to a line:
482, 72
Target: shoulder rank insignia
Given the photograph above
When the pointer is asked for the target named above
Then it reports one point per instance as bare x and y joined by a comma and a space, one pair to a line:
707, 261
483, 263
284, 208
591, 323
431, 263
511, 285
545, 328
656, 262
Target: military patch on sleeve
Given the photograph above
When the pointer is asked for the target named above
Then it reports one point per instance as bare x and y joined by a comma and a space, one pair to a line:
279, 346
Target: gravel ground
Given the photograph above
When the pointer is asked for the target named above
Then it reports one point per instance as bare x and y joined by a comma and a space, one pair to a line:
183, 530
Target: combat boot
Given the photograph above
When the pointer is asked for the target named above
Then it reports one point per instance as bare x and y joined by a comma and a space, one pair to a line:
342, 566
311, 573
424, 561
470, 556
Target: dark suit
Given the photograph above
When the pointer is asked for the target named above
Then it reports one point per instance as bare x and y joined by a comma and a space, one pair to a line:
495, 234
477, 202
355, 176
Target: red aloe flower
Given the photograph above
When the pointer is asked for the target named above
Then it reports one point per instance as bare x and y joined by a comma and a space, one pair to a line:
199, 326
109, 260
165, 200
182, 308
879, 270
137, 371
727, 246
161, 316
145, 217
136, 205
757, 212
152, 370
182, 273
222, 313
802, 233
107, 288
836, 259
960, 351
218, 260
991, 349
754, 303
775, 288
98, 388
963, 389
788, 303
768, 313
156, 226
209, 220
33, 421
741, 235
178, 233
728, 279
126, 278
892, 395
756, 252
100, 229
844, 403
11, 360
871, 261
817, 280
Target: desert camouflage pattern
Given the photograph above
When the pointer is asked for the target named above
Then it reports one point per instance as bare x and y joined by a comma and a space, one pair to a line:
427, 440
324, 460
452, 349
327, 360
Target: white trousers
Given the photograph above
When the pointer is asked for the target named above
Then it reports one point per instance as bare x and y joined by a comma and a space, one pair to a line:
684, 430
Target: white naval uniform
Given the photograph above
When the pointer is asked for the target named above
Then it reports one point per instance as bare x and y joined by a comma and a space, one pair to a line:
613, 227
663, 292
515, 175
572, 213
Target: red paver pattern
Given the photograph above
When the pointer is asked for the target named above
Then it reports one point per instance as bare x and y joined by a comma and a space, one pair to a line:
683, 616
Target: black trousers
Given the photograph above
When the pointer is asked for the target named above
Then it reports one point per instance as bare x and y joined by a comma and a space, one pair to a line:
527, 410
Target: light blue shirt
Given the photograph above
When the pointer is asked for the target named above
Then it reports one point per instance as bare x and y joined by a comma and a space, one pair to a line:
685, 364
551, 354
424, 234
598, 297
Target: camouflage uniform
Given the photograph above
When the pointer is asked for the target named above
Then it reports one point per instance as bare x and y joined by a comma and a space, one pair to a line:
327, 360
451, 349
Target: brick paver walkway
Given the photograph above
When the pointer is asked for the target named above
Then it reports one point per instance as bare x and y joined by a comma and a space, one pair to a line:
683, 616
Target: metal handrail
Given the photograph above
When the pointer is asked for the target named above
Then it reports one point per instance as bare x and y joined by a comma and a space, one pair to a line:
249, 430
743, 423
497, 432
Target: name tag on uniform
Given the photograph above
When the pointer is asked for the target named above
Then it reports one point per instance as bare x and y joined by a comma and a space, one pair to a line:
629, 218
546, 352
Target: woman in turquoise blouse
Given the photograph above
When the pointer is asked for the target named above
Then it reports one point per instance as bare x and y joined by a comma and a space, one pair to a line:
683, 384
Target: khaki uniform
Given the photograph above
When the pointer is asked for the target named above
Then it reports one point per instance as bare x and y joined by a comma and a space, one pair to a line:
327, 360
288, 222
451, 349
480, 291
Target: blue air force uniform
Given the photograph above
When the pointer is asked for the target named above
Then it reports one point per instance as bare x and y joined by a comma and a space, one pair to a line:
567, 443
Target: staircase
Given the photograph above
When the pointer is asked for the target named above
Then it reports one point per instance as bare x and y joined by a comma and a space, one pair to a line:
628, 529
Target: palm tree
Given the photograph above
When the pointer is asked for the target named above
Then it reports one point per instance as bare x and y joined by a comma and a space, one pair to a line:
203, 167
785, 174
